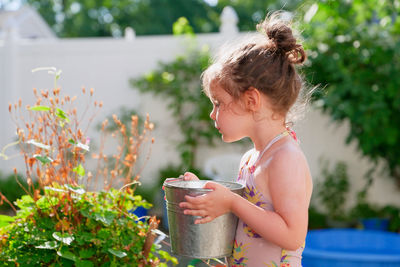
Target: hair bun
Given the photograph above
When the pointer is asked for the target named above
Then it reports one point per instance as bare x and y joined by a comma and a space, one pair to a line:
280, 34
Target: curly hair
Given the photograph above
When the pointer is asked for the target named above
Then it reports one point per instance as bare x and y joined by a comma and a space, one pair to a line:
265, 61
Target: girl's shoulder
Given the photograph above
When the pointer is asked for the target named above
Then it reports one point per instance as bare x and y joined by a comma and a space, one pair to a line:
287, 155
288, 174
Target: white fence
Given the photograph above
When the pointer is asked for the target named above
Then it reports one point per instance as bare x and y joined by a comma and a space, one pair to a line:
107, 64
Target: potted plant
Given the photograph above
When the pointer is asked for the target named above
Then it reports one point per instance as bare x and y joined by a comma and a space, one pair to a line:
332, 193
75, 217
392, 212
370, 217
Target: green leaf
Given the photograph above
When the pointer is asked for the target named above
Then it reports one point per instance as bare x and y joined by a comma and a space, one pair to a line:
119, 254
71, 141
47, 202
106, 218
5, 220
24, 202
54, 189
165, 255
86, 253
58, 74
79, 170
62, 115
65, 253
86, 212
65, 238
43, 159
48, 245
182, 26
84, 263
40, 108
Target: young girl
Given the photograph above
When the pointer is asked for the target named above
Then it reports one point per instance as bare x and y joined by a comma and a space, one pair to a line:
252, 88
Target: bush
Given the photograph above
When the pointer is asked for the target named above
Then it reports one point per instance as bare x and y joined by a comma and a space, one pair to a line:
333, 189
353, 53
61, 222
68, 225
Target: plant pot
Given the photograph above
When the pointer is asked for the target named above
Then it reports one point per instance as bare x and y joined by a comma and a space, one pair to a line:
381, 224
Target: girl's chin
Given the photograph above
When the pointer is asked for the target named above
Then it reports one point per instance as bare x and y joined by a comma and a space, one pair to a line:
226, 139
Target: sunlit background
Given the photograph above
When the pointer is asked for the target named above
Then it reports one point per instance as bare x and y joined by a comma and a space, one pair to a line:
146, 56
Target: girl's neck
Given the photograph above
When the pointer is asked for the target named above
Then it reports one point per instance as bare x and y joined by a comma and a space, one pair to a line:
265, 132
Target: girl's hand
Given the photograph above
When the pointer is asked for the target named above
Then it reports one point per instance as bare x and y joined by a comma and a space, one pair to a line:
188, 176
210, 205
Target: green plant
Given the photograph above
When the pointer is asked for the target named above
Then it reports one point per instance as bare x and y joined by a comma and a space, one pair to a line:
316, 219
333, 188
108, 18
74, 217
353, 53
364, 210
69, 226
393, 214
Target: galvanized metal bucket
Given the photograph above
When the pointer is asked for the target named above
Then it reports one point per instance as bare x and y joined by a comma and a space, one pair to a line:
203, 241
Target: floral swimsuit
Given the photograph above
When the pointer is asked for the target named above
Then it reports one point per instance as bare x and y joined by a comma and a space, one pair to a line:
250, 249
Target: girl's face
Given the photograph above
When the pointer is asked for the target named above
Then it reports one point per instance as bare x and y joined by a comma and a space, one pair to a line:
228, 115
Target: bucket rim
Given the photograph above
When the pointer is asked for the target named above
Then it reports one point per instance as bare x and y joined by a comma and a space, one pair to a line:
174, 184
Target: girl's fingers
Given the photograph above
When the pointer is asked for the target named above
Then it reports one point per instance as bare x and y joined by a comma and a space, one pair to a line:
191, 206
206, 219
196, 200
200, 213
188, 176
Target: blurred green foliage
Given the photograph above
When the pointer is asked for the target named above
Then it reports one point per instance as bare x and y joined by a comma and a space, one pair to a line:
333, 188
72, 18
354, 56
329, 201
352, 50
251, 12
10, 187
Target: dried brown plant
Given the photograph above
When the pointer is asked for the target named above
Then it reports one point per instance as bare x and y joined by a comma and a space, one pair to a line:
54, 144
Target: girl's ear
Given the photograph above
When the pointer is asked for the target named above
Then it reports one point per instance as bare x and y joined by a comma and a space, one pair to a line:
252, 99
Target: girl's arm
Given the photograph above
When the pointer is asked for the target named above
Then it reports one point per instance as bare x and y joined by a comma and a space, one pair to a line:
290, 189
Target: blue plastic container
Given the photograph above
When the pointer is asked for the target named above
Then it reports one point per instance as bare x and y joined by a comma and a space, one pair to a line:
375, 224
140, 212
351, 247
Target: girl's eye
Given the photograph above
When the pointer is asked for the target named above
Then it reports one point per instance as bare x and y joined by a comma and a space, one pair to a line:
216, 104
